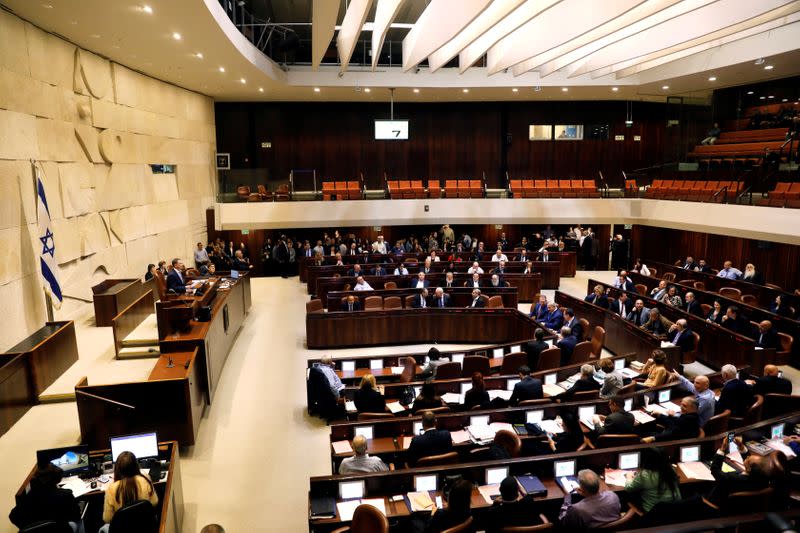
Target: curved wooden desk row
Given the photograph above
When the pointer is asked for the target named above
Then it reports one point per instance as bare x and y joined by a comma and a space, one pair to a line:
766, 295
111, 296
756, 314
385, 485
459, 296
528, 285
621, 335
414, 326
169, 490
567, 260
718, 346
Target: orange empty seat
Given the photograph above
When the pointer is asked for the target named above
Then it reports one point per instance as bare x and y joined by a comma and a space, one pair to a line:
394, 189
417, 190
463, 188
328, 191
527, 189
434, 189
451, 189
353, 190
516, 188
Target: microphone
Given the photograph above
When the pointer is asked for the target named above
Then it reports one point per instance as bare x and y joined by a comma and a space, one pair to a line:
170, 363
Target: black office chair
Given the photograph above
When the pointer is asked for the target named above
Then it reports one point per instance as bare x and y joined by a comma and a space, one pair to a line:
138, 517
47, 526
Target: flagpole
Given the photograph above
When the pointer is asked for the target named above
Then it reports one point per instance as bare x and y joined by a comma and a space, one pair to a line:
49, 304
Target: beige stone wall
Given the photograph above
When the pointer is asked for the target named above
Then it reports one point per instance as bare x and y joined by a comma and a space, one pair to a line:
94, 127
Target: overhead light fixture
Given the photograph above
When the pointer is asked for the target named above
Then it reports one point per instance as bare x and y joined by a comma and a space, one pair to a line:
665, 87
367, 89
222, 69
199, 55
464, 90
73, 22
615, 89
760, 61
712, 78
416, 90
749, 92
316, 89
785, 100
261, 89
176, 36
770, 96
768, 67
242, 81
147, 9
514, 90
564, 89
762, 97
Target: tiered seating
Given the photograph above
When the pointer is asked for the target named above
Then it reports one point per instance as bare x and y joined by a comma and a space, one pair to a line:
463, 189
341, 190
747, 152
694, 190
575, 188
784, 195
749, 136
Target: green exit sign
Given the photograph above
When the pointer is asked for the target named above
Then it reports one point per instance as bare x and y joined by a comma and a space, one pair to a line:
245, 232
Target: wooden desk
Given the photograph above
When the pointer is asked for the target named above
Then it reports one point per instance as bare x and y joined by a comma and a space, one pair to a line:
170, 507
459, 296
112, 296
129, 318
412, 326
171, 402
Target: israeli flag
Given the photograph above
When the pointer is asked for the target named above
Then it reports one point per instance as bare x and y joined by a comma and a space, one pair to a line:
47, 257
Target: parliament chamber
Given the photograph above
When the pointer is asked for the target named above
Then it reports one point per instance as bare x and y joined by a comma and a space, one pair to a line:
399, 266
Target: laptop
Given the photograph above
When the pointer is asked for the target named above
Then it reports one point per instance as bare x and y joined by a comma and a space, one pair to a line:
351, 490
776, 432
143, 446
234, 274
664, 396
585, 415
425, 483
564, 472
366, 431
690, 454
71, 459
629, 461
619, 364
494, 476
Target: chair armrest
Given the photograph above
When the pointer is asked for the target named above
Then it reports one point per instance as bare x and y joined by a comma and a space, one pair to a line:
391, 467
341, 529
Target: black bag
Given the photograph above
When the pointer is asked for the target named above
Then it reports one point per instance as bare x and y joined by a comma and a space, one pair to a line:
407, 396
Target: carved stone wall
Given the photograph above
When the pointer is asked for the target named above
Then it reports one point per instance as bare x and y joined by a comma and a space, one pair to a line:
93, 127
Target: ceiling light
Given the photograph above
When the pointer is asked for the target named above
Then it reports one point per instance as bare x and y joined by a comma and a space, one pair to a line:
115, 46
242, 81
416, 90
222, 69
665, 87
95, 36
464, 90
762, 97
712, 78
176, 36
615, 89
316, 89
768, 67
749, 92
261, 89
514, 90
367, 89
785, 100
73, 22
47, 6
770, 96
147, 9
564, 89
199, 55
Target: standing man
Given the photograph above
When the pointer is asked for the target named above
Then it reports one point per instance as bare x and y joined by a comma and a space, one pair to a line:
619, 253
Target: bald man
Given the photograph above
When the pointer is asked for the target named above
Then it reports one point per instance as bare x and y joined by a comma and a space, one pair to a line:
361, 462
681, 336
767, 337
771, 383
704, 395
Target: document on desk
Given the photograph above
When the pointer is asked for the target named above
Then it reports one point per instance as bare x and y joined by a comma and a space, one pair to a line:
406, 442
350, 406
588, 422
696, 470
776, 444
736, 458
671, 406
420, 501
481, 433
629, 373
459, 436
550, 426
497, 393
346, 509
616, 477
641, 417
78, 486
397, 370
378, 503
501, 426
395, 407
655, 409
341, 447
451, 397
552, 390
489, 491
665, 344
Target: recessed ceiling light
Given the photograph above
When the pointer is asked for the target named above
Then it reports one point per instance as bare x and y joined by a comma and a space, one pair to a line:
615, 89
147, 9
785, 100
564, 89
514, 90
665, 87
176, 36
464, 90
222, 69
768, 67
367, 89
199, 55
242, 81
749, 92
95, 36
416, 90
762, 97
115, 46
261, 89
760, 61
712, 78
770, 96
316, 89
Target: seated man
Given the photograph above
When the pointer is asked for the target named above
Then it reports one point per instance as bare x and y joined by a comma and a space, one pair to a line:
657, 324
729, 272
734, 321
499, 256
623, 282
351, 304
618, 422
426, 266
639, 315
326, 366
584, 384
362, 285
474, 282
598, 297
355, 271
523, 256
735, 395
621, 306
497, 281
500, 269
659, 292
432, 441
535, 347
566, 342
770, 382
477, 301
528, 268
475, 269
595, 509
440, 298
420, 282
511, 509
574, 325
175, 282
420, 301
539, 310
378, 270
449, 283
554, 318
681, 336
686, 426
702, 266
545, 255
528, 388
239, 262
361, 462
767, 337
401, 270
691, 305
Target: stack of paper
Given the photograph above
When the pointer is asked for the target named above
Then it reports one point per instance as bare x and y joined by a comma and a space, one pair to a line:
350, 407
459, 436
501, 426
78, 486
481, 433
637, 365
656, 409
665, 344
552, 390
588, 422
420, 501
341, 447
406, 442
376, 502
568, 485
671, 406
629, 373
451, 397
497, 393
397, 370
488, 491
395, 407
618, 478
777, 444
641, 417
346, 509
696, 470
550, 426
736, 458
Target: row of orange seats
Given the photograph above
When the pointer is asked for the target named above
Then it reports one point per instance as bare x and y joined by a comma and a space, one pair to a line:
399, 189
554, 188
341, 190
463, 189
695, 190
784, 195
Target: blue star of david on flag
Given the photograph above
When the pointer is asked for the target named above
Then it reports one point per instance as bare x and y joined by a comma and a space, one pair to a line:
49, 245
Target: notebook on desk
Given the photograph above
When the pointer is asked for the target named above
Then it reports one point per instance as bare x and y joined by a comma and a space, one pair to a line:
323, 507
531, 485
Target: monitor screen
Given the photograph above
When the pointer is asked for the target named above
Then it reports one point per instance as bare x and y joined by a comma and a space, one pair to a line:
619, 364
390, 130
534, 417
629, 461
776, 431
348, 366
664, 396
479, 420
417, 428
551, 379
511, 383
513, 349
142, 446
350, 490
458, 358
375, 364
690, 454
423, 483
497, 352
465, 387
72, 459
586, 412
629, 404
234, 274
366, 431
496, 475
564, 468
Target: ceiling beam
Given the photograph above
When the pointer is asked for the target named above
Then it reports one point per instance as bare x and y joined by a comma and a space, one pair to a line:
323, 25
385, 14
347, 38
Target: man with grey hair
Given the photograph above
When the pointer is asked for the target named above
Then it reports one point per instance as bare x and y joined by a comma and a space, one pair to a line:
686, 426
736, 395
325, 365
361, 462
691, 305
440, 299
595, 509
477, 301
584, 384
681, 336
567, 343
702, 393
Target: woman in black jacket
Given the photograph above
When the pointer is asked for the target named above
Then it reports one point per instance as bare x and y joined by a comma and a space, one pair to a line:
477, 395
367, 398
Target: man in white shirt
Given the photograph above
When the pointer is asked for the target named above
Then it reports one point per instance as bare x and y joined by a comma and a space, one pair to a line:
421, 282
361, 462
475, 269
475, 281
729, 272
401, 270
499, 256
477, 301
379, 246
362, 285
201, 256
545, 255
318, 249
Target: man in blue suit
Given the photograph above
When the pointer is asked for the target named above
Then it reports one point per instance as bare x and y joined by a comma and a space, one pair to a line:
736, 395
567, 345
432, 441
554, 318
572, 323
539, 310
175, 282
529, 388
639, 315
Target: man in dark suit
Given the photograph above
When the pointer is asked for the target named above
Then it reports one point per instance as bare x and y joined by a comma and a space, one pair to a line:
702, 266
420, 282
474, 282
691, 305
477, 301
175, 282
686, 426
432, 441
554, 319
618, 422
736, 395
584, 384
621, 306
529, 388
355, 271
449, 283
771, 383
440, 298
539, 310
681, 336
624, 283
420, 300
567, 345
500, 269
571, 322
379, 271
533, 348
639, 314
767, 337
734, 321
511, 509
351, 304
689, 263
598, 297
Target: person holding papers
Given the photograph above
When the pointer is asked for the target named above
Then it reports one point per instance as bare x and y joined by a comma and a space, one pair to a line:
704, 395
585, 383
656, 481
432, 441
595, 509
361, 462
457, 510
367, 398
528, 388
686, 426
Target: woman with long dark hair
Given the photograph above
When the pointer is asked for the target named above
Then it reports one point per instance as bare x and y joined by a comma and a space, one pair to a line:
656, 482
129, 486
477, 395
457, 510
